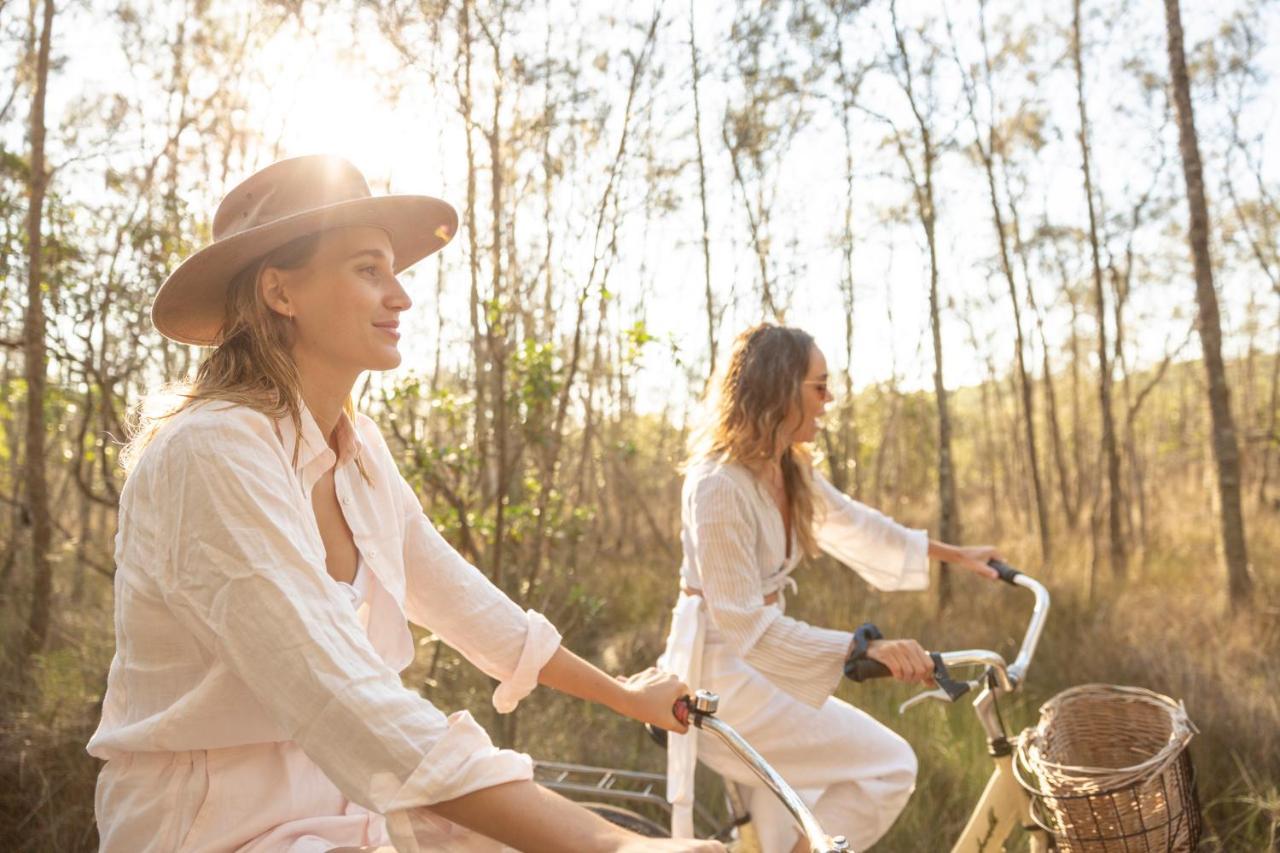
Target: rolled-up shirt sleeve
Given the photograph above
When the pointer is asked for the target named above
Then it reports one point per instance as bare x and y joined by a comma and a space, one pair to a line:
245, 579
453, 599
886, 554
805, 660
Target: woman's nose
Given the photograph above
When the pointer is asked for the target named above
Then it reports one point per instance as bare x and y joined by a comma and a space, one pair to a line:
397, 296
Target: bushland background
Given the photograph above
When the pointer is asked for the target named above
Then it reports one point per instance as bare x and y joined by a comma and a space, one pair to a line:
1038, 243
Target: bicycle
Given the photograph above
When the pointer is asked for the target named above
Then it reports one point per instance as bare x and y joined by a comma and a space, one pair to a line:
1003, 806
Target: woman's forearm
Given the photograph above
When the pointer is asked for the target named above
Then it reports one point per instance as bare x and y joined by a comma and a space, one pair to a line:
942, 552
647, 696
971, 557
526, 816
570, 674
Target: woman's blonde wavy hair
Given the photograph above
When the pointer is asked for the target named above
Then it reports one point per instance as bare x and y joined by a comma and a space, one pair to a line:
252, 365
746, 411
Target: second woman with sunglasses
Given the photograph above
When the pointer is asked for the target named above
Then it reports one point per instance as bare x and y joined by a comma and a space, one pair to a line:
752, 506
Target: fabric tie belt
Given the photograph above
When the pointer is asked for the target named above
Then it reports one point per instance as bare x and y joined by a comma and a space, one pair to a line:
769, 600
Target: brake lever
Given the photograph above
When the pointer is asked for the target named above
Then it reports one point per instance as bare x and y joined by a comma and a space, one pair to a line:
948, 689
937, 693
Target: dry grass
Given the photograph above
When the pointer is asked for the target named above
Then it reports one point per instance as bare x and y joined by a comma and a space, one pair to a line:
1166, 629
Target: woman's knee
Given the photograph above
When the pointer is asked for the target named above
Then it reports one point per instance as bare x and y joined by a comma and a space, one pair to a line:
906, 766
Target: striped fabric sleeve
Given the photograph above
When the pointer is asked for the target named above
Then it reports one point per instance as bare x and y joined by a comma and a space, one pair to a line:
804, 660
887, 555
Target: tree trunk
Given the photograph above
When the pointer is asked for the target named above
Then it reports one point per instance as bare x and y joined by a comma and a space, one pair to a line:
702, 196
987, 152
1111, 456
476, 307
1270, 439
850, 441
1226, 451
35, 357
926, 209
496, 335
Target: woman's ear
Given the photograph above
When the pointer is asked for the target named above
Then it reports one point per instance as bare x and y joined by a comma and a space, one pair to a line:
272, 286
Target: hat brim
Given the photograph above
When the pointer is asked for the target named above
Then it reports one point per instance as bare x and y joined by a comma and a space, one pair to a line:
190, 306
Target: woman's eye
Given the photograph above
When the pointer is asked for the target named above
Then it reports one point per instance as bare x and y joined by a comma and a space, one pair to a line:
369, 270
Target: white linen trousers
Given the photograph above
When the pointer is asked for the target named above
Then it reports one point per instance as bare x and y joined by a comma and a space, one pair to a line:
774, 674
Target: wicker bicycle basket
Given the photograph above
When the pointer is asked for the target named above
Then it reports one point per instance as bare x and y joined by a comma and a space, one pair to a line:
1108, 770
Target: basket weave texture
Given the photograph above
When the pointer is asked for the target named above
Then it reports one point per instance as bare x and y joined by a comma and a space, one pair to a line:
1108, 771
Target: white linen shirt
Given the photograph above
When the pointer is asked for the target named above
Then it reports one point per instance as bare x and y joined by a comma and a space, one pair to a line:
735, 555
230, 631
735, 552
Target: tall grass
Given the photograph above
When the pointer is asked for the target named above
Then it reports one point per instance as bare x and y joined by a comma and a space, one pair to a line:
1166, 629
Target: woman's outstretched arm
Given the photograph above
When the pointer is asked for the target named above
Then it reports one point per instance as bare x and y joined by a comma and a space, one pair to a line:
971, 557
647, 696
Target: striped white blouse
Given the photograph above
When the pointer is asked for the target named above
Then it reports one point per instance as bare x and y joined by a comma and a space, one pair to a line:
735, 551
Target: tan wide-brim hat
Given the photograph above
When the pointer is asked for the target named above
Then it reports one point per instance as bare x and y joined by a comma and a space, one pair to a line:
285, 201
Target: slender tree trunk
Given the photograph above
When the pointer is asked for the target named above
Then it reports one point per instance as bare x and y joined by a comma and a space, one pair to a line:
702, 195
34, 345
987, 439
496, 334
987, 152
926, 209
476, 307
1111, 456
17, 514
1082, 485
1226, 450
850, 443
1271, 438
1050, 395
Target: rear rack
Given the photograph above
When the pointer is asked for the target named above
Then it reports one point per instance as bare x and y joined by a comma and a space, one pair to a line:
608, 784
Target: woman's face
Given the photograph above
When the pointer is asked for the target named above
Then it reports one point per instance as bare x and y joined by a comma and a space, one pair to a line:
344, 303
814, 397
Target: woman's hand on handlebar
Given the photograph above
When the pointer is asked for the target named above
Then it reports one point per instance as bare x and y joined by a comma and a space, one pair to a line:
973, 558
906, 659
649, 697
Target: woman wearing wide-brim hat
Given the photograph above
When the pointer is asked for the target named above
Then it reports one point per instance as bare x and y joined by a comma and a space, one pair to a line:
270, 555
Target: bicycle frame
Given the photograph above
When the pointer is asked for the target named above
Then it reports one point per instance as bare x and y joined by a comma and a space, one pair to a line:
1004, 804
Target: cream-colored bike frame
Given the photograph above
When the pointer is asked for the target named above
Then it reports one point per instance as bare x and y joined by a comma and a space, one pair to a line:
1002, 807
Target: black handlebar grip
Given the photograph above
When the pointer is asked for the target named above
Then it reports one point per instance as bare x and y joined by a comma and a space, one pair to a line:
1006, 572
863, 669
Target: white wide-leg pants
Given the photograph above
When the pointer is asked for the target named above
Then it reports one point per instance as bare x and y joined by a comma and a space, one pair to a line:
854, 773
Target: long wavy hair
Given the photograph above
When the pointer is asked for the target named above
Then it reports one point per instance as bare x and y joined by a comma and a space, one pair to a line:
746, 412
252, 364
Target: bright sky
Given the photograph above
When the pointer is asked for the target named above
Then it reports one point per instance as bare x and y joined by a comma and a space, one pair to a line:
327, 93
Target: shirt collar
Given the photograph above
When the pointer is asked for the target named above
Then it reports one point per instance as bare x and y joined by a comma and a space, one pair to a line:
314, 456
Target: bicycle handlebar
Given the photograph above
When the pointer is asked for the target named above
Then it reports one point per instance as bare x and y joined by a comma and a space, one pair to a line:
701, 710
866, 668
1006, 676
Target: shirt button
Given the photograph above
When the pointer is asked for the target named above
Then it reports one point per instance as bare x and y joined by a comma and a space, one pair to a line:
346, 501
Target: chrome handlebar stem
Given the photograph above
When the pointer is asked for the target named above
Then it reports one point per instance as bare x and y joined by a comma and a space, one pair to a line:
702, 710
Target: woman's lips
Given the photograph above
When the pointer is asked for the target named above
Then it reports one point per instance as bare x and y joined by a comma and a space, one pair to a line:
390, 329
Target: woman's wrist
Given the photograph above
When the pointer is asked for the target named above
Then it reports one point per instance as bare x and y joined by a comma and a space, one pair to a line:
942, 552
618, 698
